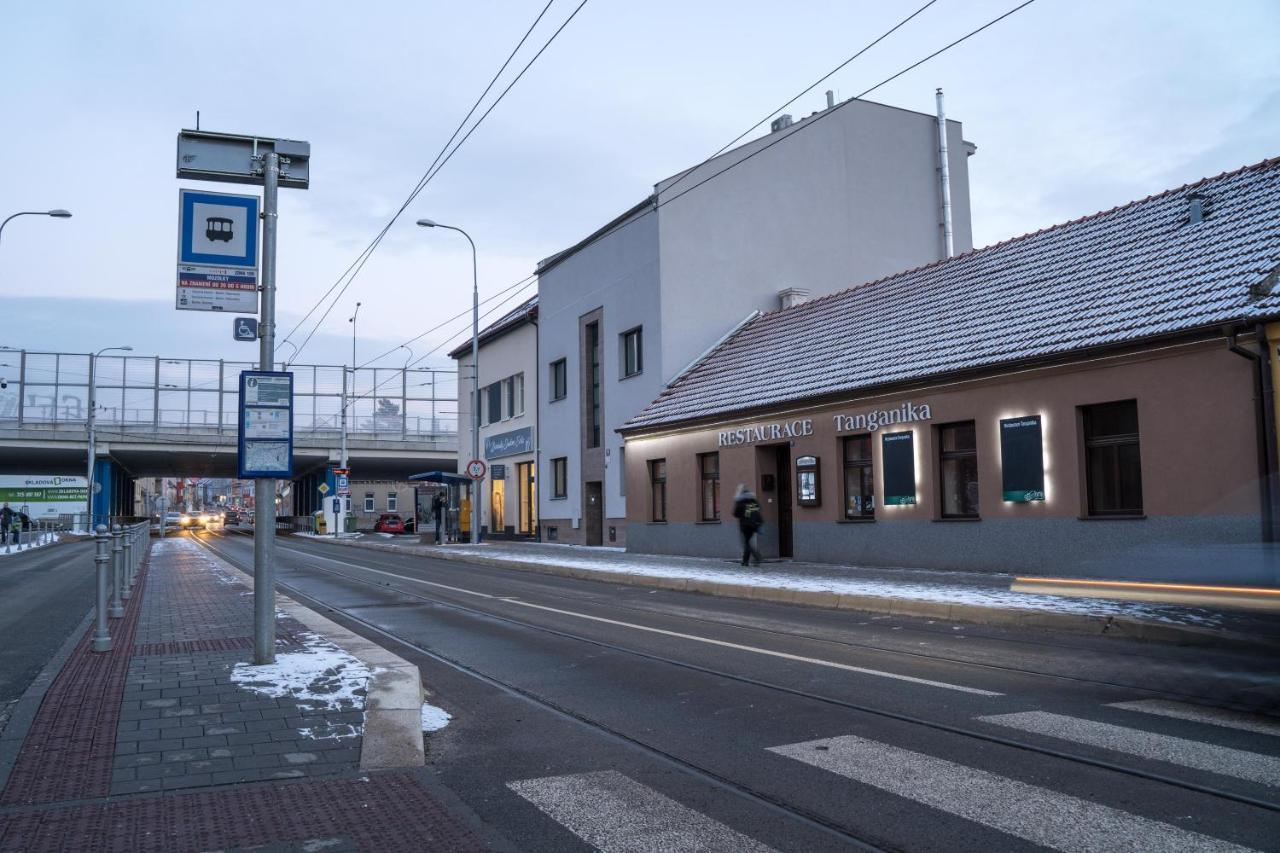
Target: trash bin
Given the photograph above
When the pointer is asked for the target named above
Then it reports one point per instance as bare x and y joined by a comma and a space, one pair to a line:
320, 525
351, 523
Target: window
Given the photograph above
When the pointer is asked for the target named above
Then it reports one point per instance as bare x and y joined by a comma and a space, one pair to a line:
517, 396
560, 477
658, 489
392, 501
958, 470
559, 380
808, 489
709, 469
1113, 466
593, 343
622, 471
632, 352
859, 482
368, 501
509, 391
494, 394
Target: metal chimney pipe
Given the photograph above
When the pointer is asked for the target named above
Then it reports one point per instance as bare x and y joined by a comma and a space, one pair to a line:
831, 99
944, 175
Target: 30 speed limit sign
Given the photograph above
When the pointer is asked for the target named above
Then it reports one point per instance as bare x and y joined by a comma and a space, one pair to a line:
476, 469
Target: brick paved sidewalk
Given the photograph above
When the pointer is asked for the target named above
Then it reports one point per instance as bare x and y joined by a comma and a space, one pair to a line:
261, 756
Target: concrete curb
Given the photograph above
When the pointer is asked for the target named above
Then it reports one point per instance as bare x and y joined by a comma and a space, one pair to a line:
1126, 627
393, 704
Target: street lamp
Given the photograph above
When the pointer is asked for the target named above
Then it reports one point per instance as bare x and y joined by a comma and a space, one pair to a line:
93, 450
56, 213
475, 366
344, 500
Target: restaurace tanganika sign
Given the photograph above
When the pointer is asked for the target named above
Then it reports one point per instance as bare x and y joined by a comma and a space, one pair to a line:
906, 413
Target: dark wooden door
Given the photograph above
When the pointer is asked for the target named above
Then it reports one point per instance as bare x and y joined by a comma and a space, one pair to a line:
593, 513
783, 468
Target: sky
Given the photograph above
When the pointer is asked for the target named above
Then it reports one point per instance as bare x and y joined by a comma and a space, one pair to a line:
1075, 107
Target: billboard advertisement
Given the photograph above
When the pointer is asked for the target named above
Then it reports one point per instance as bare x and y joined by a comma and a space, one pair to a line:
43, 496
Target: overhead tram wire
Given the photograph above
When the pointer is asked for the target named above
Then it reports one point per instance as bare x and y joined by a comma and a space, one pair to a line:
432, 172
422, 182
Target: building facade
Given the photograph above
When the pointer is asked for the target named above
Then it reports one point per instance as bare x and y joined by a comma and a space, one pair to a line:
508, 421
849, 193
1088, 399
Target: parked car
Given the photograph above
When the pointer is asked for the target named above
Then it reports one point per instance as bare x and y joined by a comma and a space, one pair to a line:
389, 522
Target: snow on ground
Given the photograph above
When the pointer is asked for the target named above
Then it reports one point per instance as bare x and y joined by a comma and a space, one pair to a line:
993, 594
433, 718
321, 677
10, 548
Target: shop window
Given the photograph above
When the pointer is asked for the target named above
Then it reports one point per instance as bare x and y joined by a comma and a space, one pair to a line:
709, 470
368, 501
1113, 465
958, 470
859, 480
658, 489
560, 477
808, 483
392, 501
632, 352
559, 379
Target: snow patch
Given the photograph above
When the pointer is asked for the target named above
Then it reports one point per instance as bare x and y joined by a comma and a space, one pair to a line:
6, 550
433, 718
321, 677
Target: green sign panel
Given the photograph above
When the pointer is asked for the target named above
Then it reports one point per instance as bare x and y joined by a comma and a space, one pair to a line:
899, 468
1022, 459
44, 494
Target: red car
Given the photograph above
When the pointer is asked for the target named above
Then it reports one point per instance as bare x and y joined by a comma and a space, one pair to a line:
389, 522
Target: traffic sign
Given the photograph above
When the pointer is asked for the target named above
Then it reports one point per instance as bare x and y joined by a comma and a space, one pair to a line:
245, 328
323, 488
344, 486
217, 252
476, 469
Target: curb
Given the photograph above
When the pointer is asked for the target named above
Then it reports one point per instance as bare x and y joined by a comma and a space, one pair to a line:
1126, 627
393, 702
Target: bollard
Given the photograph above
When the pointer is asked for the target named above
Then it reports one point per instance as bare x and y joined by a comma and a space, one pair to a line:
102, 559
127, 565
116, 608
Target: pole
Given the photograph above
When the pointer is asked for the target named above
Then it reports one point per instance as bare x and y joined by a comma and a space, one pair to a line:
102, 559
944, 176
116, 607
88, 522
475, 385
264, 490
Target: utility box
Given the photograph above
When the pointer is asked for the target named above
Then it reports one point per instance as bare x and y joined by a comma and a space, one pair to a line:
321, 526
351, 523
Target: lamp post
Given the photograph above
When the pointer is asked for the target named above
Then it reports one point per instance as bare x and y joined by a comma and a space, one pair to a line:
56, 213
93, 449
475, 367
344, 500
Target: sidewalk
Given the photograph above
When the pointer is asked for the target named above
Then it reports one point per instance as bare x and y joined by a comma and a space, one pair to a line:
956, 596
174, 741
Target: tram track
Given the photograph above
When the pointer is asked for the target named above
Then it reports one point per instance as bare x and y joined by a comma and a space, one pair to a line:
948, 728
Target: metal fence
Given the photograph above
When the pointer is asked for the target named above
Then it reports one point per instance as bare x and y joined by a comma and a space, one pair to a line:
167, 394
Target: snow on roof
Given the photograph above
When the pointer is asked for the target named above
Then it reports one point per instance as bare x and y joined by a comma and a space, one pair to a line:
1141, 270
511, 320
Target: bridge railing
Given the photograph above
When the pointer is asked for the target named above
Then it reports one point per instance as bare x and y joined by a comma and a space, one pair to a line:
145, 393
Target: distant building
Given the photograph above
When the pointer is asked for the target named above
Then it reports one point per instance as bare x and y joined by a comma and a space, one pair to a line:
1094, 398
850, 193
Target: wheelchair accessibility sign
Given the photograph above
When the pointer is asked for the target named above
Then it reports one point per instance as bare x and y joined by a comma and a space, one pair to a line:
245, 329
217, 252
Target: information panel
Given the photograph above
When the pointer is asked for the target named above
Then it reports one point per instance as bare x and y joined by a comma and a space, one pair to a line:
899, 468
1022, 459
266, 424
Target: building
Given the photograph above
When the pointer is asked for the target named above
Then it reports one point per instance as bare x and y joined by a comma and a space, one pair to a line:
852, 190
508, 420
1094, 398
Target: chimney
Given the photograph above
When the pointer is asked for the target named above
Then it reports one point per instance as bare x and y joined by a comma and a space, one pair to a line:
831, 99
1195, 208
793, 296
782, 122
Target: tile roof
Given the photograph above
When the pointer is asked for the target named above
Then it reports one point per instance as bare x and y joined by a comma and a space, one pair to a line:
1135, 272
512, 319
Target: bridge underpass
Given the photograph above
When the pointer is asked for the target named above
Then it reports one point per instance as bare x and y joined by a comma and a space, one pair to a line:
157, 417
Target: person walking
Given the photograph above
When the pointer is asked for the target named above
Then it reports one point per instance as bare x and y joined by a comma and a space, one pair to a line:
438, 507
746, 508
6, 518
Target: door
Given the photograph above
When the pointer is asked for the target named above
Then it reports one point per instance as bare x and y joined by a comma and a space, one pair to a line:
593, 514
497, 506
783, 468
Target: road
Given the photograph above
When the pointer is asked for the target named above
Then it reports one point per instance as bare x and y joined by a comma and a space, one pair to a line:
44, 594
589, 715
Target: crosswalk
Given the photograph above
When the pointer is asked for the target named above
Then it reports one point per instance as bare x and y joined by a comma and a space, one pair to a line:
616, 814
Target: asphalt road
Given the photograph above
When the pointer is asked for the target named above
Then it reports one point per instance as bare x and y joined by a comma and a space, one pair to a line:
44, 594
589, 715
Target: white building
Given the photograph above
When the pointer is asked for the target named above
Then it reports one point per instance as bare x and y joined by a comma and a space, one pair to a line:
508, 416
849, 194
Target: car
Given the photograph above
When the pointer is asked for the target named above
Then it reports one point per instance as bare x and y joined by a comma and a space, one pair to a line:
231, 516
389, 522
173, 519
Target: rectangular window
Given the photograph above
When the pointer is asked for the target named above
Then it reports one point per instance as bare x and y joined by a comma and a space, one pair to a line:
1113, 465
518, 397
392, 501
859, 482
709, 496
632, 352
368, 501
559, 379
494, 403
958, 469
560, 477
658, 488
509, 392
593, 344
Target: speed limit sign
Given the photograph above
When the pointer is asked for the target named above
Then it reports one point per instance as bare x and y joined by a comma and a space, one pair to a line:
476, 469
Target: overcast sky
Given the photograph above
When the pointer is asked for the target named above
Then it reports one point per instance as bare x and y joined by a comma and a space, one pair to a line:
1074, 106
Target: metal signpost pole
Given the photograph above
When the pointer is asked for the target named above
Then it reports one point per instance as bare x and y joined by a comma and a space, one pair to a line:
264, 490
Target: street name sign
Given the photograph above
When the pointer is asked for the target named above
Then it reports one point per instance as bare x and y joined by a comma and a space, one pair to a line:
217, 252
266, 424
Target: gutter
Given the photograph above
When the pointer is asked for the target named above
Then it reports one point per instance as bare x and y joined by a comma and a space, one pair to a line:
1265, 417
532, 317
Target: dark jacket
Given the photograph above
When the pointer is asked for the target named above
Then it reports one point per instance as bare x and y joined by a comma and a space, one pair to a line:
747, 510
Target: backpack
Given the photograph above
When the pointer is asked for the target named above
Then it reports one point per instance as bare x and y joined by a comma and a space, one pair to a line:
751, 514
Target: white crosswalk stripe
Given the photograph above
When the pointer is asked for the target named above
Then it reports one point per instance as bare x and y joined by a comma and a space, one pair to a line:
1039, 815
1251, 766
619, 815
1203, 714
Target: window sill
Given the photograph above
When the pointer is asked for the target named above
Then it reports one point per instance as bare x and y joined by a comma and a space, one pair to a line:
656, 522
1134, 517
709, 521
960, 518
855, 521
627, 376
558, 498
558, 399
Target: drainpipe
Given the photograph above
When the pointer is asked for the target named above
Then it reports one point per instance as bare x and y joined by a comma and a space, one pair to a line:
537, 427
944, 175
1264, 414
